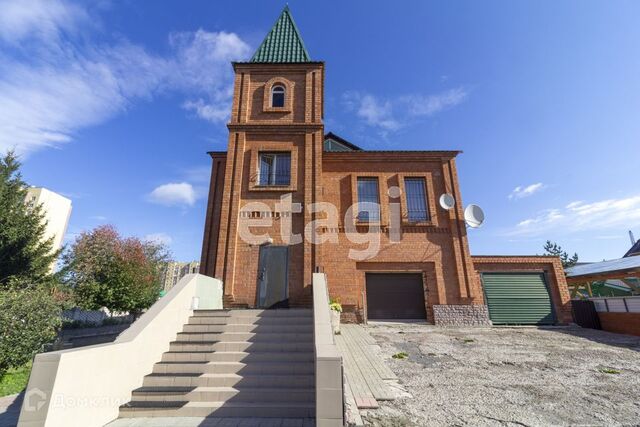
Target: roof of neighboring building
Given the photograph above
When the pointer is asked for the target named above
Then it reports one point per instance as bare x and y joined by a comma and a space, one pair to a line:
615, 267
283, 43
634, 250
333, 137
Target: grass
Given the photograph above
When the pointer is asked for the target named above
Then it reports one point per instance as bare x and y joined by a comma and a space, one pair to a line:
15, 380
401, 355
609, 371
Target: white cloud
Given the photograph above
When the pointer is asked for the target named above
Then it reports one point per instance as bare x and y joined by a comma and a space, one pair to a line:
45, 19
432, 104
395, 113
519, 192
55, 87
173, 194
211, 112
160, 238
609, 214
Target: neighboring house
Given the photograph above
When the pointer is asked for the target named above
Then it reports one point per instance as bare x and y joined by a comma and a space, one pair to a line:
57, 211
174, 271
419, 265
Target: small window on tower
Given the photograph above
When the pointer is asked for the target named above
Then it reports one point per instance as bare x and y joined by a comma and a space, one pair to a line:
277, 96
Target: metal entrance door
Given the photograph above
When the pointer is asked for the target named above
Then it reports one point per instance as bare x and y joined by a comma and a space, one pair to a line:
272, 275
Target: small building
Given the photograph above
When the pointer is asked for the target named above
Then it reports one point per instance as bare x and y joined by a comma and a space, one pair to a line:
57, 211
288, 199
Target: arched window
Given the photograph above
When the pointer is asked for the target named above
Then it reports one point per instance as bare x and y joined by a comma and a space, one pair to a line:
277, 96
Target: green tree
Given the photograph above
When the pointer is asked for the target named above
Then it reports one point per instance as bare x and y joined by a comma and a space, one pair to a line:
106, 270
552, 248
24, 252
29, 319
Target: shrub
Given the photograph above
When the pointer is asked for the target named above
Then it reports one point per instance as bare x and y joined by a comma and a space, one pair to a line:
29, 319
334, 304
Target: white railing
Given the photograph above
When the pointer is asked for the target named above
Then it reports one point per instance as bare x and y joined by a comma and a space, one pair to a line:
86, 386
617, 304
328, 361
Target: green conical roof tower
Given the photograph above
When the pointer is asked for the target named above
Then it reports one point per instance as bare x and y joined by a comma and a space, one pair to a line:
283, 44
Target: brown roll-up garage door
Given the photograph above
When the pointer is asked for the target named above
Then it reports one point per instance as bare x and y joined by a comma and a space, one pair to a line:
395, 296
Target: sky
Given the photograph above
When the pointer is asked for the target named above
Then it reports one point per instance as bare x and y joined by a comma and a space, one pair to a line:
115, 104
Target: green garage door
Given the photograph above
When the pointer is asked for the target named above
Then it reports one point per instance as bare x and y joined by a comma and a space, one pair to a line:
518, 299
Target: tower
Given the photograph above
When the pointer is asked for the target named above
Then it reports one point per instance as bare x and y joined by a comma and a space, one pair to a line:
274, 149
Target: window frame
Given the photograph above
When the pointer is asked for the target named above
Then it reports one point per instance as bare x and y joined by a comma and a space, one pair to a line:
288, 86
432, 217
272, 181
425, 199
358, 213
278, 89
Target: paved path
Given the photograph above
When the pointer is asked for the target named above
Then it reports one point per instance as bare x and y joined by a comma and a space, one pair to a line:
364, 367
212, 422
10, 410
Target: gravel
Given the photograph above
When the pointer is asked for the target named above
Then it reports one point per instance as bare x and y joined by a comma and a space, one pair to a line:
509, 376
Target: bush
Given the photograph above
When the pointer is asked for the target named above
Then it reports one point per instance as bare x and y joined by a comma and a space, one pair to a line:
29, 319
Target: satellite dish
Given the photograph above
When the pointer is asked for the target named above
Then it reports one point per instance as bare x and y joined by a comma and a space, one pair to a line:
447, 201
473, 216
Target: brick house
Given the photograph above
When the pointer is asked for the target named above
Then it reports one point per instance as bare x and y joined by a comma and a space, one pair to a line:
280, 161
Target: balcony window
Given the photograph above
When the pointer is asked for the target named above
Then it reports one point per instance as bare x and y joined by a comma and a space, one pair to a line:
275, 168
368, 200
416, 194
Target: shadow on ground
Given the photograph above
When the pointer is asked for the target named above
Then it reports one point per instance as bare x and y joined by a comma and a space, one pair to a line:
9, 418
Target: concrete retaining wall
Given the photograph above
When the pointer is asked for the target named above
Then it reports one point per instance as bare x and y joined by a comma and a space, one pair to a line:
329, 386
86, 386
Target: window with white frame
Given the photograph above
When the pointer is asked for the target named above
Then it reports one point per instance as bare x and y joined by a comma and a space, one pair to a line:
277, 96
275, 168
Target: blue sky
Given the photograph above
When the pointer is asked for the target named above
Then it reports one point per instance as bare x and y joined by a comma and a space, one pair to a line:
115, 104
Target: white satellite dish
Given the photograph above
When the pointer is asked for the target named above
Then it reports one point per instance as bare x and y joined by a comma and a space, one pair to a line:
447, 201
473, 216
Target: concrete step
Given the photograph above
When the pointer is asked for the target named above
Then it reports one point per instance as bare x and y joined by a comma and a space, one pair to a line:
251, 327
229, 380
245, 337
237, 356
251, 320
294, 312
218, 409
249, 347
234, 368
222, 394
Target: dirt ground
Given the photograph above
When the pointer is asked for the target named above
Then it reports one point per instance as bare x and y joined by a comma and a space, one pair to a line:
509, 376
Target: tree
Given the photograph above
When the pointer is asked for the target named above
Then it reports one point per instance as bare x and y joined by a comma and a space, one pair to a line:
106, 270
29, 319
24, 251
553, 249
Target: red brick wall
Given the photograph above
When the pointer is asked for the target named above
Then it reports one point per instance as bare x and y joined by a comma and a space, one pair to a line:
212, 220
254, 128
438, 248
621, 323
550, 266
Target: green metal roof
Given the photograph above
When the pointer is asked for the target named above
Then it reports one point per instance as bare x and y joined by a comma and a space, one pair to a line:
283, 43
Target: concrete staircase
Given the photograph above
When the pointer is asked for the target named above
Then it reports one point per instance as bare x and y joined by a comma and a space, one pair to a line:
233, 363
